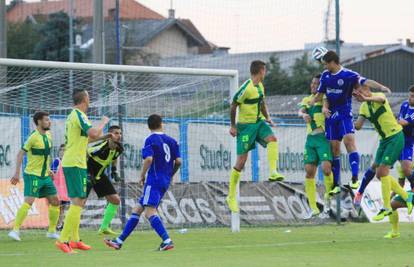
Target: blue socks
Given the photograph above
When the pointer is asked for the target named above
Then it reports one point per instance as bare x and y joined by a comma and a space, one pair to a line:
159, 227
354, 163
336, 170
129, 227
368, 176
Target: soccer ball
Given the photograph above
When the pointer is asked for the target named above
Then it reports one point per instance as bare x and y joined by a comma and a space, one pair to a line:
318, 53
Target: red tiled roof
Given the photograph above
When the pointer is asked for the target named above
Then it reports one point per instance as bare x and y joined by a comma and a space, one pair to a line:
129, 9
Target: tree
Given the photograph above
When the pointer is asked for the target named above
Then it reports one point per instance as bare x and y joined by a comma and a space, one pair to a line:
277, 80
54, 43
22, 38
302, 73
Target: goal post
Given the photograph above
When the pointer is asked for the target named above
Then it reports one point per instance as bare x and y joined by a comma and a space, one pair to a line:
193, 102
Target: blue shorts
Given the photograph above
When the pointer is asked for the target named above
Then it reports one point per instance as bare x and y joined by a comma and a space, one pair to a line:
407, 152
336, 129
152, 195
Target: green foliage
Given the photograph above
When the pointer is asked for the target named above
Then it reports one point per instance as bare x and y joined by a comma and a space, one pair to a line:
54, 43
22, 37
278, 81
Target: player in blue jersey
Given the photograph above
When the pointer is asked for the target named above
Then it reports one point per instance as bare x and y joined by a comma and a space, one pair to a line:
405, 119
337, 84
161, 156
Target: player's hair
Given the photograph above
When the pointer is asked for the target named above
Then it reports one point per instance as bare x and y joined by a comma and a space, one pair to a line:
411, 88
39, 116
256, 66
317, 76
154, 121
114, 127
78, 96
331, 56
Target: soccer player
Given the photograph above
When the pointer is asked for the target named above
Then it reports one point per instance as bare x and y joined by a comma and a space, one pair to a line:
60, 184
161, 156
77, 131
396, 203
253, 125
317, 148
376, 109
406, 119
100, 156
337, 83
36, 176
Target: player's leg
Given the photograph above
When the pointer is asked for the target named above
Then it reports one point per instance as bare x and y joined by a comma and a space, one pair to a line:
311, 161
54, 211
76, 183
387, 154
49, 191
396, 203
129, 227
157, 225
336, 166
353, 157
234, 180
104, 188
63, 205
110, 211
21, 216
406, 167
266, 138
366, 179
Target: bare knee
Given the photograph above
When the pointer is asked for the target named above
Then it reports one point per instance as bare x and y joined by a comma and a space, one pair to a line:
382, 171
240, 162
150, 211
336, 148
114, 199
54, 201
271, 138
349, 142
310, 171
326, 168
138, 209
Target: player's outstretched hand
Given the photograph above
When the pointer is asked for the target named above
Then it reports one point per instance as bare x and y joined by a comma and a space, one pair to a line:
15, 179
233, 131
105, 120
326, 112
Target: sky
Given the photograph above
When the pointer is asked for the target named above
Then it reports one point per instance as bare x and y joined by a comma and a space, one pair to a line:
269, 25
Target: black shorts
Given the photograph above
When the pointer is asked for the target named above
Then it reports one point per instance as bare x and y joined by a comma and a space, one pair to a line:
102, 187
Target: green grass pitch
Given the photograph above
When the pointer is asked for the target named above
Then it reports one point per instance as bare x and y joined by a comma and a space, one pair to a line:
357, 244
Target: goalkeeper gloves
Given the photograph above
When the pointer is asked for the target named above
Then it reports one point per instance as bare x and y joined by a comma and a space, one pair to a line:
114, 174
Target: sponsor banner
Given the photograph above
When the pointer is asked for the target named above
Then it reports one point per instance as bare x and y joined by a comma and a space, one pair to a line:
10, 144
372, 203
203, 204
11, 198
210, 149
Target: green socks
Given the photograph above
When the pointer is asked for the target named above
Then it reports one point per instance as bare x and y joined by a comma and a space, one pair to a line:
109, 214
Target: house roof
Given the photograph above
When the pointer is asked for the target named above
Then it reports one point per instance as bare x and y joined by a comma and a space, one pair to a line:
138, 33
129, 9
241, 61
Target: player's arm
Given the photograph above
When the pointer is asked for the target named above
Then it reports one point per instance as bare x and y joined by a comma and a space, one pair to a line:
94, 133
19, 160
404, 121
359, 122
317, 98
145, 167
376, 85
265, 112
304, 115
233, 112
177, 165
114, 173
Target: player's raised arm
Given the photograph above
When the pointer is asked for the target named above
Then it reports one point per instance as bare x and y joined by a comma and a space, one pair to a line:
359, 122
19, 160
95, 133
376, 85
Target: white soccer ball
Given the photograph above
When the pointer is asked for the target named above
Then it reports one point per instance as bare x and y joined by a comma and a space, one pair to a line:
318, 53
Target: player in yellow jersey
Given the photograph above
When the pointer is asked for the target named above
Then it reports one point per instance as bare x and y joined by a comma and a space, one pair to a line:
317, 147
377, 110
253, 125
37, 175
78, 132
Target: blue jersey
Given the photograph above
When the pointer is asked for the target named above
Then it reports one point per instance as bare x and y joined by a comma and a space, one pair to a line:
164, 150
407, 113
338, 89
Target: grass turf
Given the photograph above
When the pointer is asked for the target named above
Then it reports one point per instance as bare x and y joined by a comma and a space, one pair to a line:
357, 244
